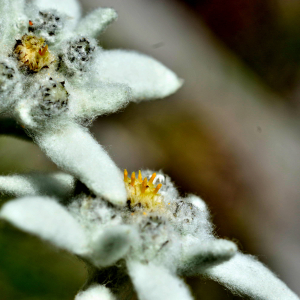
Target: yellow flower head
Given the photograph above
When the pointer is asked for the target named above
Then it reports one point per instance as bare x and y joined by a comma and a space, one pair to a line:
143, 191
33, 53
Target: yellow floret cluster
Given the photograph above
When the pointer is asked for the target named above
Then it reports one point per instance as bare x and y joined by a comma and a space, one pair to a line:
142, 192
33, 53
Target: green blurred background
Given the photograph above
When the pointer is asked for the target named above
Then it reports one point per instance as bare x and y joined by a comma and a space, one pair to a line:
230, 135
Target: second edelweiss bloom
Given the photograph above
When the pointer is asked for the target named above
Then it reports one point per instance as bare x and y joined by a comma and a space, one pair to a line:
149, 243
55, 77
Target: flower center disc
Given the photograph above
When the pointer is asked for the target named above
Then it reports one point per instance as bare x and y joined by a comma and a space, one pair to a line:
33, 53
143, 192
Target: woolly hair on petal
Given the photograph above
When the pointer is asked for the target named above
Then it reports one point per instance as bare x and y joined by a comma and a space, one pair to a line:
73, 149
156, 282
96, 22
111, 245
246, 276
11, 12
47, 219
148, 78
95, 99
10, 84
55, 184
95, 292
17, 185
193, 218
200, 256
69, 7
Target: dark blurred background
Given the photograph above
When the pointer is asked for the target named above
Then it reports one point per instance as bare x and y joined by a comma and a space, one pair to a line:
230, 135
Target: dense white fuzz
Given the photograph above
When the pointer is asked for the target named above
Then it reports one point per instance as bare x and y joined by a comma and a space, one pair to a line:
54, 77
17, 185
154, 282
10, 84
96, 22
200, 256
48, 24
56, 184
111, 245
12, 18
47, 219
73, 149
173, 237
244, 275
147, 77
95, 292
99, 98
69, 7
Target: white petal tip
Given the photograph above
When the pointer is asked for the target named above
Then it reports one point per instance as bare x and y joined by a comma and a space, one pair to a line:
147, 77
95, 292
111, 13
118, 199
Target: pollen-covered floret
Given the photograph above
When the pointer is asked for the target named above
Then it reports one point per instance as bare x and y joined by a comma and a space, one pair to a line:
47, 25
142, 192
33, 53
160, 220
77, 55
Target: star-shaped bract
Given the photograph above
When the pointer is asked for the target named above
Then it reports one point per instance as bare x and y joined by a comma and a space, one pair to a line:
55, 78
154, 245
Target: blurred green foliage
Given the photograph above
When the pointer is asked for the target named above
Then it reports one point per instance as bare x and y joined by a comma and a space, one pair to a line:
31, 269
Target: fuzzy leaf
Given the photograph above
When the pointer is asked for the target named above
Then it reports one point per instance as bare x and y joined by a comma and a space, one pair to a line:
96, 22
69, 7
147, 77
244, 275
55, 184
11, 14
206, 254
111, 245
155, 282
95, 292
94, 99
74, 150
47, 219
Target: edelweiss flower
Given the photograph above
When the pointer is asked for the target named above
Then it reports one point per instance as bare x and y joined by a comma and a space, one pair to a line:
157, 237
54, 77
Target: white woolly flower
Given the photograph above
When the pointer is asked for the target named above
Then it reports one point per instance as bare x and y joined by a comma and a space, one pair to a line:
148, 245
54, 77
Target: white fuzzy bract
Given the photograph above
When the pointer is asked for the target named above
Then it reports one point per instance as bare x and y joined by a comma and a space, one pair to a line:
154, 245
95, 292
54, 77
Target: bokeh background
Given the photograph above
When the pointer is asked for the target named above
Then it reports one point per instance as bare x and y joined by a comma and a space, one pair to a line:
231, 135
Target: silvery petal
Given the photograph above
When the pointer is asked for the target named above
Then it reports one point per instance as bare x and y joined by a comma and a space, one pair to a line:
11, 12
95, 292
198, 257
244, 275
47, 219
73, 149
147, 77
111, 245
98, 99
54, 184
69, 7
156, 282
96, 22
